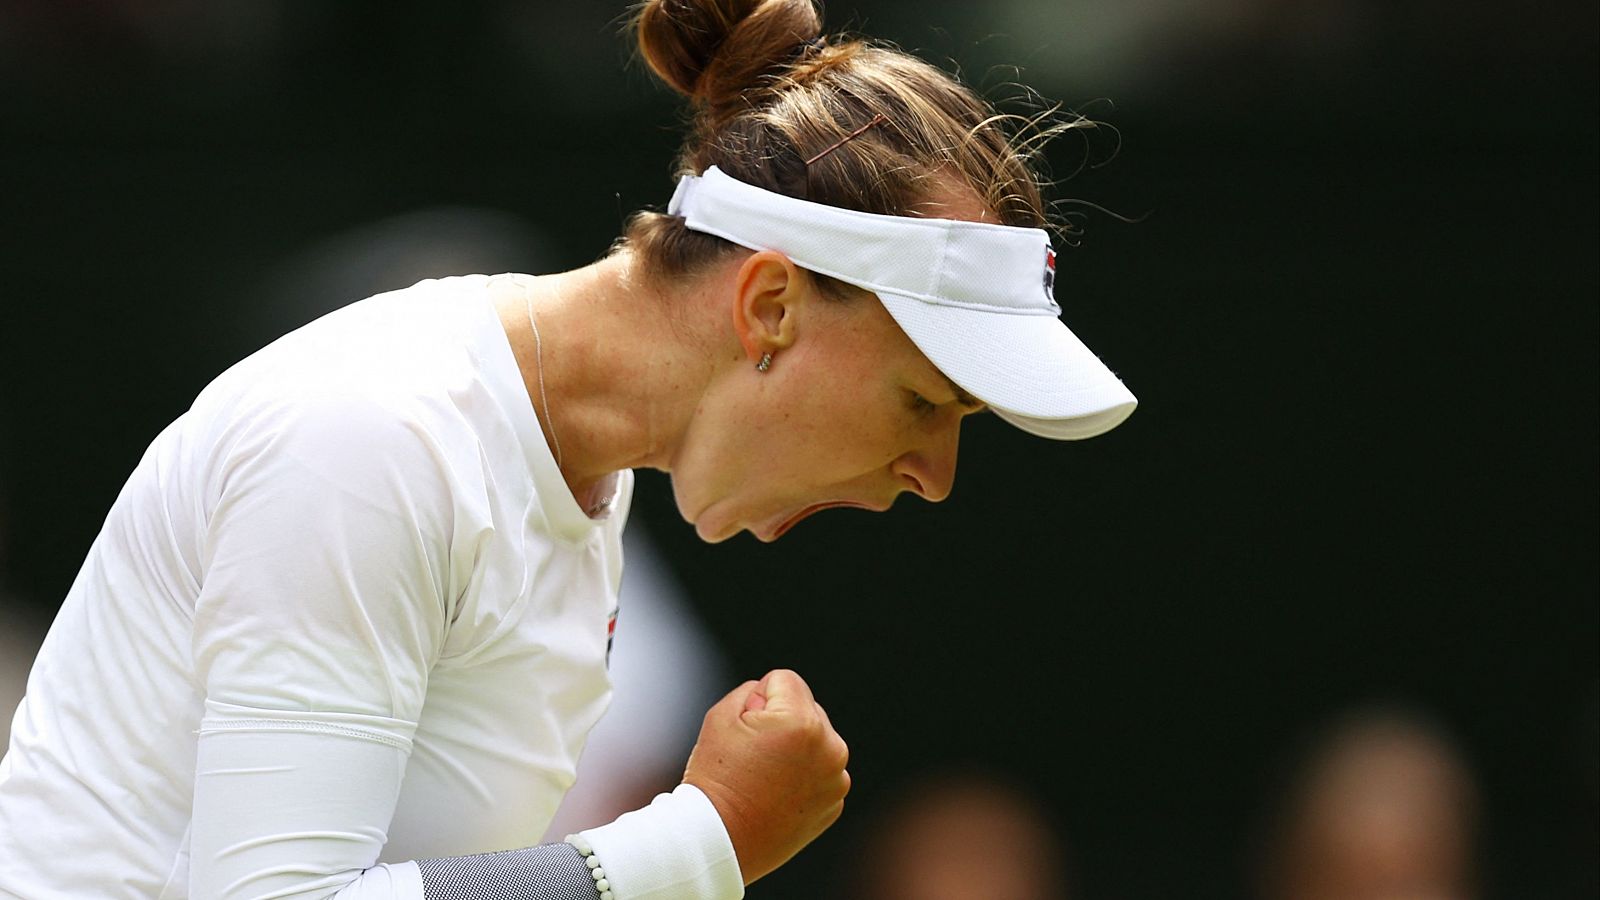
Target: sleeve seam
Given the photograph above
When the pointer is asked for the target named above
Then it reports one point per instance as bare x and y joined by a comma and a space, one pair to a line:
212, 727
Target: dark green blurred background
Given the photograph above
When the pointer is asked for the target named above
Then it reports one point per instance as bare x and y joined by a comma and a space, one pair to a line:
1360, 317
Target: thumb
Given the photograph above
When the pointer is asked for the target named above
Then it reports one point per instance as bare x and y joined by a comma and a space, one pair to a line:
784, 690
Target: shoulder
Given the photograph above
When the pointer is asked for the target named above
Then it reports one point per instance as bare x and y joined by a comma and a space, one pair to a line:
389, 383
411, 341
331, 447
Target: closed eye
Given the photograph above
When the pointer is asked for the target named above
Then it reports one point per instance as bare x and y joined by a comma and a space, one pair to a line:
921, 405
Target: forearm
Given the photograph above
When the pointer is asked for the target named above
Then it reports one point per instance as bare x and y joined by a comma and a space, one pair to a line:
546, 872
299, 807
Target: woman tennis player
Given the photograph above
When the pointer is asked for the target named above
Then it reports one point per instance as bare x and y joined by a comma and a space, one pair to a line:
345, 628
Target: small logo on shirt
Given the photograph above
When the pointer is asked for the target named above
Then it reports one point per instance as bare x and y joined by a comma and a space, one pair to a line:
611, 635
1050, 273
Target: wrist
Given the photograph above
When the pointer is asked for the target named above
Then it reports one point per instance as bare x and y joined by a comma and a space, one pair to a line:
676, 847
736, 820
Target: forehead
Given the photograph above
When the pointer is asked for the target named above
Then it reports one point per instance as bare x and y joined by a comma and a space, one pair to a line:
949, 197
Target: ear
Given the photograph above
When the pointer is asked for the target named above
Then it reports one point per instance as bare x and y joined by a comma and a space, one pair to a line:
767, 292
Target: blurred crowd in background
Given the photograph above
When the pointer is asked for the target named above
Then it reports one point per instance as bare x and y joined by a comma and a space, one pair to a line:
1319, 623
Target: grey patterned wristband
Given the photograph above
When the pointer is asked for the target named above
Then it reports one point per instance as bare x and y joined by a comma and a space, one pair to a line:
546, 872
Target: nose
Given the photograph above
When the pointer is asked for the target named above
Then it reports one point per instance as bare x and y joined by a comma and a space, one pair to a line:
930, 468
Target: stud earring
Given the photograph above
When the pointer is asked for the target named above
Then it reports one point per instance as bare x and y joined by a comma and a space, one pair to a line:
765, 364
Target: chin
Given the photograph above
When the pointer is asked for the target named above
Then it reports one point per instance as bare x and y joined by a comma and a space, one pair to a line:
683, 507
706, 522
706, 526
714, 537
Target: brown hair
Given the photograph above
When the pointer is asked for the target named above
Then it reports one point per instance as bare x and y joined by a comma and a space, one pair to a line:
884, 131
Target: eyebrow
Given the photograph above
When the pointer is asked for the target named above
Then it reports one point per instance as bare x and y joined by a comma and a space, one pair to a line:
962, 397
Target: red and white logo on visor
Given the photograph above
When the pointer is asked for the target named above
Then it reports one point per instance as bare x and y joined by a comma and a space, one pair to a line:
1050, 273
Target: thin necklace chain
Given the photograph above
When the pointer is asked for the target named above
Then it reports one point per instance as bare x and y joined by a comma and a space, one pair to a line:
544, 399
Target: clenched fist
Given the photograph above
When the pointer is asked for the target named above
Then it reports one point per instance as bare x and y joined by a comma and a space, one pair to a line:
773, 766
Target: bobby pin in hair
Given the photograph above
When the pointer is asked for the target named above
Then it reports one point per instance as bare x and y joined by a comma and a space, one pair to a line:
877, 120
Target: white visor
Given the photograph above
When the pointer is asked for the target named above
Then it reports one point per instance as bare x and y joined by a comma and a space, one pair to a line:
977, 299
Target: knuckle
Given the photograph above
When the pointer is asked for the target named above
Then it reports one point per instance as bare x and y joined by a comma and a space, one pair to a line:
818, 743
802, 728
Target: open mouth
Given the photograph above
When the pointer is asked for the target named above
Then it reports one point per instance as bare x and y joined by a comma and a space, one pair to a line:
813, 508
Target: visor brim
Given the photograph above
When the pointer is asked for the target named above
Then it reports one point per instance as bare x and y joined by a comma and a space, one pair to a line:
1029, 368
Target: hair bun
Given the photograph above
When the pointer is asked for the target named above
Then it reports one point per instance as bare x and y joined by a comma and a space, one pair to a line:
715, 50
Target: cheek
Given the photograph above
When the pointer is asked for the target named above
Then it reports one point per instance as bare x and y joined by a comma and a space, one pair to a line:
845, 432
739, 449
712, 458
813, 425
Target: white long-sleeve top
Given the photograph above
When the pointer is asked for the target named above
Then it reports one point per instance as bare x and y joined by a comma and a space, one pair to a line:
345, 612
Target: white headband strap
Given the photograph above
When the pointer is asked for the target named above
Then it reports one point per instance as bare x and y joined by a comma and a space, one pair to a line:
946, 262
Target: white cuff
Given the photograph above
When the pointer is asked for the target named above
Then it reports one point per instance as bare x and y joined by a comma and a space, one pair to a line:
394, 881
674, 849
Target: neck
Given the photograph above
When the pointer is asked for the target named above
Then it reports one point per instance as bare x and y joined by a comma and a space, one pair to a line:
621, 373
